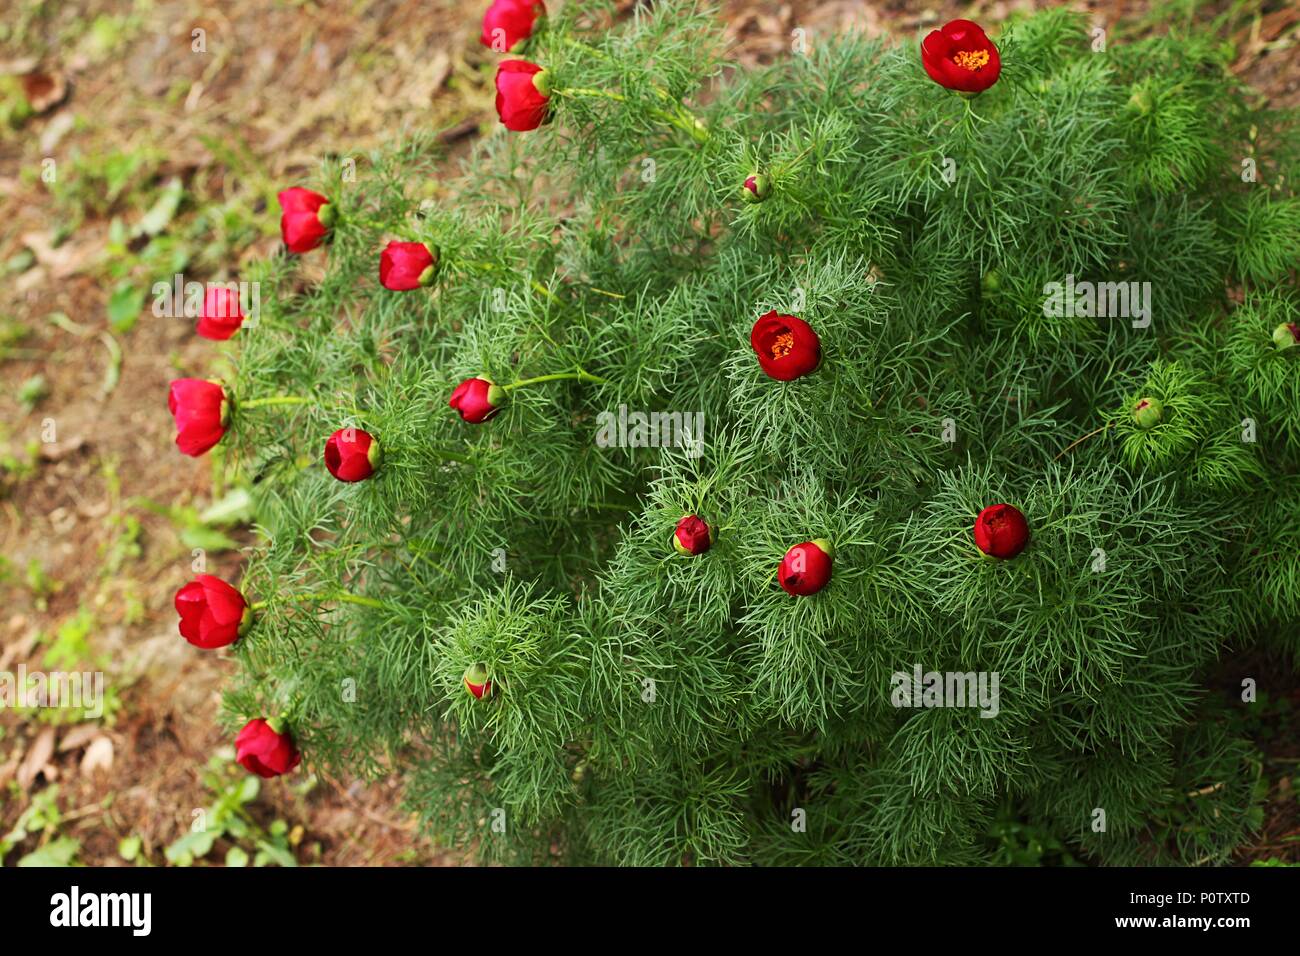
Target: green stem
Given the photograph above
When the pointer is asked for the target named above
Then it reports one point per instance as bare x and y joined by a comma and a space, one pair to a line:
472, 264
1079, 441
786, 167
693, 124
689, 121
578, 44
970, 117
493, 267
588, 91
345, 598
580, 375
402, 229
275, 400
364, 221
424, 556
451, 455
440, 452
683, 119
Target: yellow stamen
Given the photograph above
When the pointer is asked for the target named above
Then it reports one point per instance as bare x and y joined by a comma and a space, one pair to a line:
783, 345
971, 59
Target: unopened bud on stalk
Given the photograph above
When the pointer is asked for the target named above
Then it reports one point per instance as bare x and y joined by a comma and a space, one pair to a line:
1287, 335
476, 681
756, 188
1148, 412
1141, 101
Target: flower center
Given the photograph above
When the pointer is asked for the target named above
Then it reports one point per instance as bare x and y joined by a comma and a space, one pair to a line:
783, 345
971, 59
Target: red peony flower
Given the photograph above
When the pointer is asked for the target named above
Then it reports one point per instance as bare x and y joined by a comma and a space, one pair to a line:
213, 614
477, 399
407, 265
352, 455
806, 568
222, 315
305, 220
1001, 531
958, 56
786, 346
202, 413
265, 747
521, 104
476, 681
692, 536
508, 23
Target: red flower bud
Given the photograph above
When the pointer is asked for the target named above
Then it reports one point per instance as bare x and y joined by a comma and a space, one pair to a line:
213, 614
476, 681
1001, 531
407, 265
477, 399
520, 102
508, 23
692, 536
262, 749
755, 188
806, 568
958, 56
786, 346
352, 454
222, 315
305, 219
202, 413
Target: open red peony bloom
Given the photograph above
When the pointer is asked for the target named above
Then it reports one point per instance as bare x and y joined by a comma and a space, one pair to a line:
305, 219
222, 315
476, 681
520, 103
263, 749
508, 23
407, 265
806, 568
477, 399
202, 413
692, 536
1001, 531
351, 454
213, 614
958, 56
786, 346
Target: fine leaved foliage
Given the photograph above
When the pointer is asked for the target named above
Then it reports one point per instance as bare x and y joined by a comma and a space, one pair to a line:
654, 708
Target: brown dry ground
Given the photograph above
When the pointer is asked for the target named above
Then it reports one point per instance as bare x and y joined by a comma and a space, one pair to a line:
90, 555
